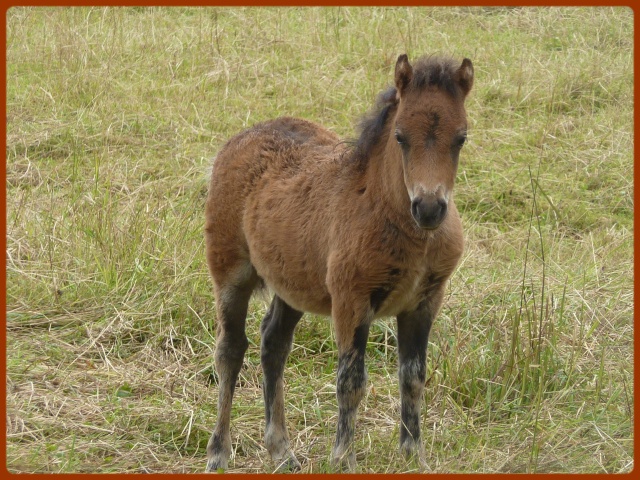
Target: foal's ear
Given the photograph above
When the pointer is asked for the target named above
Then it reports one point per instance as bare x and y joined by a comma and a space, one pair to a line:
404, 73
464, 76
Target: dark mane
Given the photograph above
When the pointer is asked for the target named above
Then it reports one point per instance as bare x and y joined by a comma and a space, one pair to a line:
372, 125
428, 71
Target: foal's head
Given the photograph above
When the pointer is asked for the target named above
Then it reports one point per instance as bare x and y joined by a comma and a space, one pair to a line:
431, 128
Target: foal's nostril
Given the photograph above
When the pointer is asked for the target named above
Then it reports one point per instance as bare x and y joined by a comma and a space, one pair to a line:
443, 206
414, 207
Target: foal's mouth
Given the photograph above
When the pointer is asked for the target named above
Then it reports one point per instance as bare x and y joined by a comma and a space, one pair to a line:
427, 227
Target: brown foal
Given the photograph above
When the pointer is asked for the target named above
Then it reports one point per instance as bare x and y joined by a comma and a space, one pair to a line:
356, 232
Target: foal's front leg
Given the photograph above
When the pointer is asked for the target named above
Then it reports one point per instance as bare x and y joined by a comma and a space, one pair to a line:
413, 336
352, 332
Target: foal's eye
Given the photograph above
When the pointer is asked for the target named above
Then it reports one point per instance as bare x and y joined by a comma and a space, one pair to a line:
400, 139
459, 141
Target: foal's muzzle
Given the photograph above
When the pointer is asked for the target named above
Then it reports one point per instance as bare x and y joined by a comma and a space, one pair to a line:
428, 212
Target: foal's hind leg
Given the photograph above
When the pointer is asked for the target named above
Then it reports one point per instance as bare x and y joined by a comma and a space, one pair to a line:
232, 343
277, 336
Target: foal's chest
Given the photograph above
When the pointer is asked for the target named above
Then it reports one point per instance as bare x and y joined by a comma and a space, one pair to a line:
415, 271
403, 293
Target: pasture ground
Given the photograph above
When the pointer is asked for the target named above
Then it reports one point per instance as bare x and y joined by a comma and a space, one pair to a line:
113, 118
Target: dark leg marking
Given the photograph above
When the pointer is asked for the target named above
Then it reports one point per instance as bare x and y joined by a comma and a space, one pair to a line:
352, 378
277, 336
413, 336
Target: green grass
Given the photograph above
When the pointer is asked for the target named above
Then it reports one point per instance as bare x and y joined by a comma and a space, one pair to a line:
113, 118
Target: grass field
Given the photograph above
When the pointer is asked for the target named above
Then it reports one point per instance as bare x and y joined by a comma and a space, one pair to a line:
113, 118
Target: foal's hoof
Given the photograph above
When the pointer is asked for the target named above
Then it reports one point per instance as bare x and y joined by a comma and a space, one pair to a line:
415, 452
343, 463
216, 465
217, 462
218, 453
289, 463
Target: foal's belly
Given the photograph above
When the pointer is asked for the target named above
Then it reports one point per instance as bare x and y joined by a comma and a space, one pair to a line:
305, 301
287, 249
292, 278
